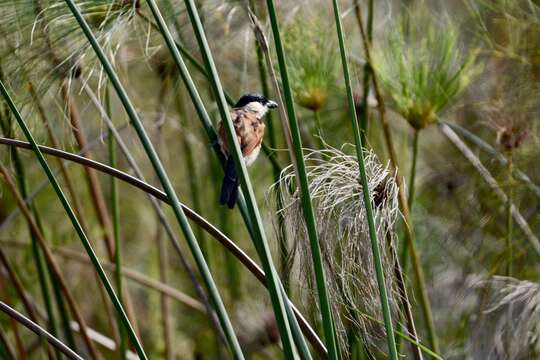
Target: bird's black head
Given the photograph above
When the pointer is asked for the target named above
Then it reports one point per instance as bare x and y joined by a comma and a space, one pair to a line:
249, 98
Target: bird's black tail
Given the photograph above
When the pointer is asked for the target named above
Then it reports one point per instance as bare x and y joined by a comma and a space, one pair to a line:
229, 188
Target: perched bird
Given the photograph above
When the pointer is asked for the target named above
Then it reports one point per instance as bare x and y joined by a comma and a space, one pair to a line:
246, 116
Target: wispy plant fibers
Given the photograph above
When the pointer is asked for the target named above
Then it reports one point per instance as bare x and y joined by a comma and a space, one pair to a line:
344, 235
509, 326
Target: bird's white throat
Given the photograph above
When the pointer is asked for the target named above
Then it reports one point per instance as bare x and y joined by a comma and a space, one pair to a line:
257, 108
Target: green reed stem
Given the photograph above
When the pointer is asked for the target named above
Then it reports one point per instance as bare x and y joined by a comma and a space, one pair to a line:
115, 212
73, 218
309, 215
164, 179
365, 190
261, 243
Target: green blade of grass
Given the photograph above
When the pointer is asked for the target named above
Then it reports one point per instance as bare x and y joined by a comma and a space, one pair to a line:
365, 190
75, 222
165, 182
306, 198
261, 244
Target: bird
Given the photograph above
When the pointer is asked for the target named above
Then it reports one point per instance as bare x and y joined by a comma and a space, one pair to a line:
247, 118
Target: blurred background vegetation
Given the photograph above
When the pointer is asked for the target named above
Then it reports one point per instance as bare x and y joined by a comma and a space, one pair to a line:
447, 97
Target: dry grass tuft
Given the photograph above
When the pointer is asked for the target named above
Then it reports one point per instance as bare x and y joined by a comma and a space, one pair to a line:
343, 234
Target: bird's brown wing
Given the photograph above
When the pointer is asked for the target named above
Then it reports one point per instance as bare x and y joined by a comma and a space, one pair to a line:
249, 131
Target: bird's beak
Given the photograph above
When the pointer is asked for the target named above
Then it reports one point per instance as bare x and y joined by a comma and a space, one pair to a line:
271, 104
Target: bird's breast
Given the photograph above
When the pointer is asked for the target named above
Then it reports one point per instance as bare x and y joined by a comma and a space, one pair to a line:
249, 159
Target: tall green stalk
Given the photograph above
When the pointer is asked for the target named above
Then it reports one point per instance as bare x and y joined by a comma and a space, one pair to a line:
80, 232
365, 190
309, 215
261, 244
115, 212
164, 180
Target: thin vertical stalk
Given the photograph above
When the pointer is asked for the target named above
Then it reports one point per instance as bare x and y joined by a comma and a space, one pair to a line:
307, 206
365, 190
509, 220
163, 257
409, 230
404, 259
80, 232
261, 243
98, 199
364, 120
317, 120
115, 211
165, 182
